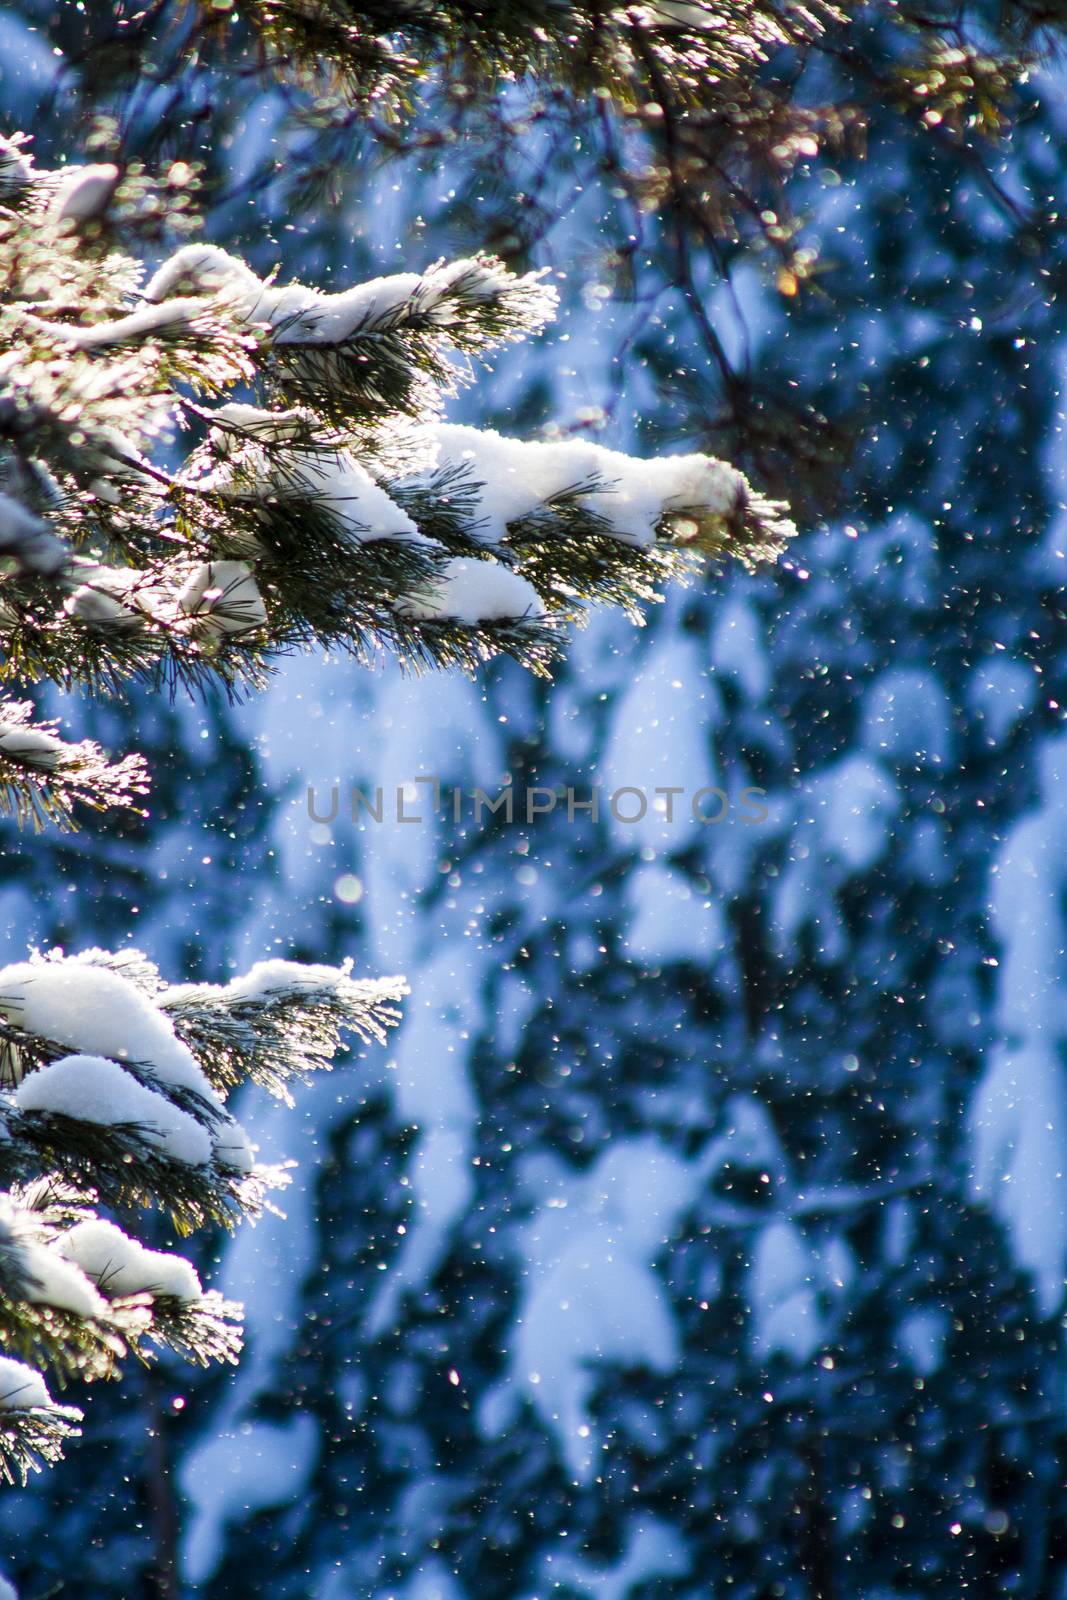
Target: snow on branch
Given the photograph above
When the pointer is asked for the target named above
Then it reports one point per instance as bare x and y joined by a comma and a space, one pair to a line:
327, 506
42, 778
693, 499
33, 1428
281, 1021
530, 527
382, 345
113, 1096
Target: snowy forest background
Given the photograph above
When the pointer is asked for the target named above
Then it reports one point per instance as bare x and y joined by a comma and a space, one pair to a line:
776, 1112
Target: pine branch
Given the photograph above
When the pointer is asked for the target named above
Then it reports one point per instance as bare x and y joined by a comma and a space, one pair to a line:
123, 1163
43, 779
337, 517
202, 1331
284, 1033
147, 1297
570, 555
381, 347
72, 1347
371, 55
534, 643
141, 1126
33, 1438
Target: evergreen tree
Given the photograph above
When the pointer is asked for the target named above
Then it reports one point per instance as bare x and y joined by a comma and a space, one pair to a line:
731, 1252
444, 1465
346, 514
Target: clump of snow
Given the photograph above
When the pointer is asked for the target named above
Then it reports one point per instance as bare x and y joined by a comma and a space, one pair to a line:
235, 421
653, 1550
792, 1282
98, 1012
670, 920
1000, 693
224, 598
516, 477
590, 1305
31, 747
1018, 1118
921, 1337
906, 716
203, 268
265, 980
54, 1281
173, 319
258, 1464
97, 603
16, 166
589, 1291
84, 192
853, 803
120, 1265
231, 1147
22, 1389
345, 490
474, 592
28, 538
1026, 907
93, 1089
748, 1138
782, 1294
842, 829
118, 597
332, 479
1018, 1133
301, 314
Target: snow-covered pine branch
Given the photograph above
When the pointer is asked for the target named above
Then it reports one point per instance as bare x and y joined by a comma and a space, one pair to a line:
326, 502
43, 777
114, 1088
33, 1426
279, 1021
379, 347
